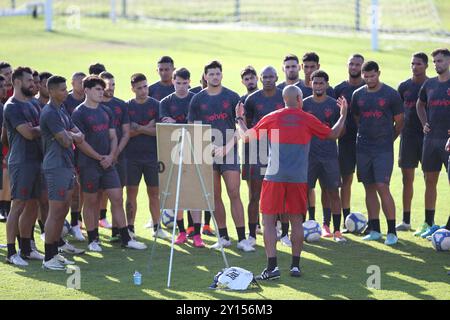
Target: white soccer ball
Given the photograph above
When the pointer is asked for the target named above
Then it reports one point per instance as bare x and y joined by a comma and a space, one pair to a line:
66, 228
312, 231
167, 218
356, 222
441, 240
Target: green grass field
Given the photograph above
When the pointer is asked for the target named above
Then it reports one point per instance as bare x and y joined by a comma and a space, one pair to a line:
410, 270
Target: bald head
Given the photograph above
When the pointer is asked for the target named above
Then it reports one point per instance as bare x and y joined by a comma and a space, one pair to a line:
268, 70
292, 96
269, 78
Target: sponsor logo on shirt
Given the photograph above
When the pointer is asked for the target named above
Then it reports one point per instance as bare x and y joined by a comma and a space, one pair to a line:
439, 103
217, 117
328, 112
226, 104
100, 127
372, 114
381, 102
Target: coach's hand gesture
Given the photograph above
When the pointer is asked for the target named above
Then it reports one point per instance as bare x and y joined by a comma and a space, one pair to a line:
240, 109
343, 105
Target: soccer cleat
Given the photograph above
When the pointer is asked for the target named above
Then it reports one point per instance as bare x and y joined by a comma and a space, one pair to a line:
133, 244
222, 242
63, 260
16, 260
75, 231
94, 247
251, 241
68, 248
259, 230
422, 229
162, 234
326, 233
295, 272
285, 241
190, 232
149, 224
245, 246
391, 239
269, 275
207, 231
430, 231
403, 227
198, 242
372, 236
182, 238
104, 223
338, 237
53, 264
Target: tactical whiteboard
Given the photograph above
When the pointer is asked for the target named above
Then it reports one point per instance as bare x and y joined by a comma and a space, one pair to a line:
196, 163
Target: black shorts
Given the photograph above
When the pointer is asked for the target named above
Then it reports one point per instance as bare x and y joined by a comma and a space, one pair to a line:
374, 167
59, 182
93, 179
434, 155
410, 152
135, 171
228, 163
122, 170
327, 171
25, 180
347, 157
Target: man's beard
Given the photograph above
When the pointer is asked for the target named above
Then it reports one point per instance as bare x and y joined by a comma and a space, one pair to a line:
355, 76
293, 77
27, 92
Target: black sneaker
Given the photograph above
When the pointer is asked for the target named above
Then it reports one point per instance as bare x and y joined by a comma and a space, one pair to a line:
295, 272
269, 275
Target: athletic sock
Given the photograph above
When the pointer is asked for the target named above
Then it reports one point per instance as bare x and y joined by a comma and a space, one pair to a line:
326, 216
284, 229
180, 225
295, 262
223, 233
2, 205
312, 213
155, 227
91, 236
61, 242
391, 226
190, 220
11, 249
252, 229
97, 236
197, 227
448, 224
7, 207
131, 227
74, 218
103, 214
271, 263
25, 246
337, 221
240, 233
80, 217
124, 235
55, 250
48, 251
346, 212
407, 217
41, 226
374, 225
114, 231
429, 217
207, 217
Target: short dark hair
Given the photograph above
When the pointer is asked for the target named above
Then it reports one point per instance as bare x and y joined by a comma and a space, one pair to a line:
421, 55
35, 73
370, 66
2, 78
357, 55
183, 73
165, 59
18, 73
78, 74
310, 56
4, 65
443, 51
137, 77
105, 75
91, 81
290, 57
247, 71
96, 68
320, 74
55, 81
212, 65
45, 75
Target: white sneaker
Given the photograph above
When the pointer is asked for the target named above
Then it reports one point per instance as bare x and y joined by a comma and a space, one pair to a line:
53, 264
149, 224
245, 246
94, 246
76, 233
35, 255
162, 234
132, 235
16, 260
63, 260
224, 242
104, 223
133, 244
68, 248
251, 241
33, 246
285, 241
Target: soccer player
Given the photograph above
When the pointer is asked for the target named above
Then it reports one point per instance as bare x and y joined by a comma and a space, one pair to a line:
347, 143
161, 89
378, 110
76, 95
411, 139
323, 155
3, 213
141, 152
291, 69
250, 80
95, 161
122, 124
6, 71
215, 106
58, 134
174, 109
24, 165
96, 69
434, 114
43, 95
284, 188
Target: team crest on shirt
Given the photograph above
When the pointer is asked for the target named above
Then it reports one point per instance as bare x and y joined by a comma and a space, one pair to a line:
382, 102
407, 93
89, 185
151, 113
225, 104
204, 106
259, 107
62, 192
328, 112
117, 110
173, 108
90, 118
131, 112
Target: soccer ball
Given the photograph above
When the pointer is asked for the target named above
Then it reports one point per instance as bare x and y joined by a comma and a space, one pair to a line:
441, 240
356, 222
66, 228
312, 231
167, 218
